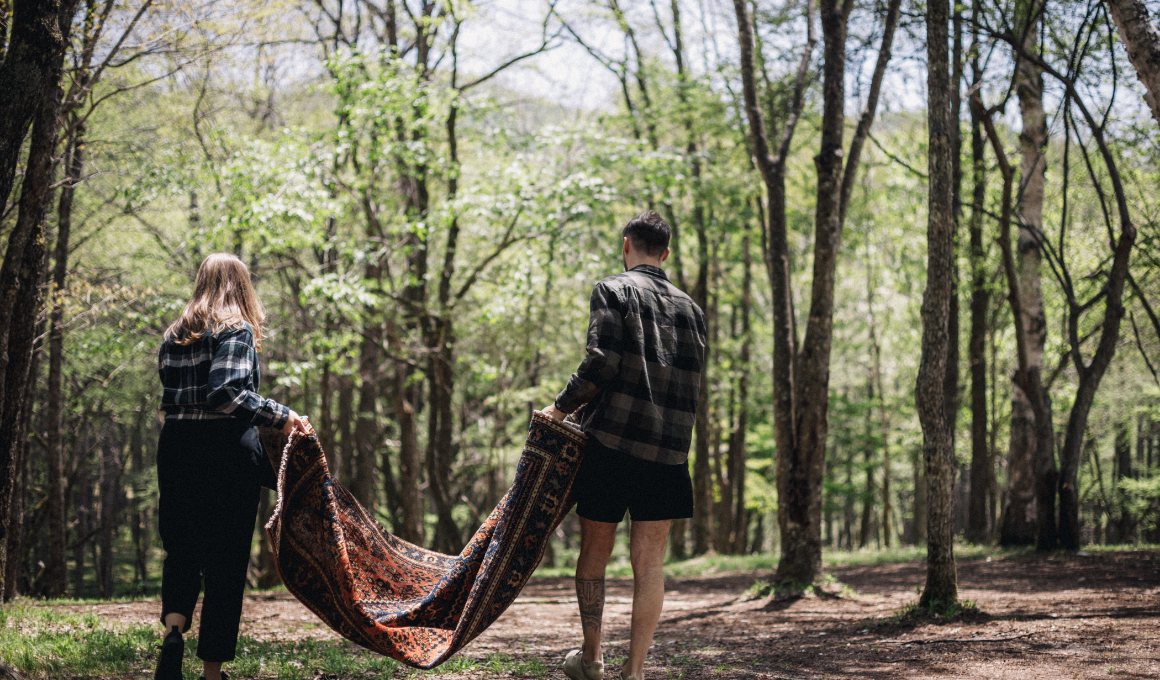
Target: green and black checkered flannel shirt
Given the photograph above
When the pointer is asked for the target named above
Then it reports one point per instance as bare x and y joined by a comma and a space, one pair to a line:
216, 376
639, 383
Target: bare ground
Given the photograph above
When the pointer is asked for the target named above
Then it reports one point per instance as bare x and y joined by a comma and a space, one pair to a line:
1083, 616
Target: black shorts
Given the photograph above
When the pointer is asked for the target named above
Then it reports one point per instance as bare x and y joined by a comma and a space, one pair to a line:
610, 482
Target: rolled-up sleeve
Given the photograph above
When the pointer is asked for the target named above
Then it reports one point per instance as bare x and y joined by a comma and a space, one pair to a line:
605, 346
230, 380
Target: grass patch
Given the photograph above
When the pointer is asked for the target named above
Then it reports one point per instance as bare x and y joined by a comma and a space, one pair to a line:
938, 611
48, 643
498, 664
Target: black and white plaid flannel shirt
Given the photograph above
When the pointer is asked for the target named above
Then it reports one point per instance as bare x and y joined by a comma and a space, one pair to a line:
217, 376
640, 382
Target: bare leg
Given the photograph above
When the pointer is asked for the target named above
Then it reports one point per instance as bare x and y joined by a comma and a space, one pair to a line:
596, 542
212, 670
647, 552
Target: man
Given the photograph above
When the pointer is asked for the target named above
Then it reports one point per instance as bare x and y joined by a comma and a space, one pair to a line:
636, 392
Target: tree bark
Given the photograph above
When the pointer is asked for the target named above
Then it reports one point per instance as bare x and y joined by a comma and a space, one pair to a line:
56, 573
25, 290
30, 71
440, 449
702, 524
367, 434
366, 429
920, 504
110, 488
346, 422
1143, 42
409, 527
737, 452
1124, 528
18, 551
868, 531
941, 588
139, 524
1032, 144
951, 379
883, 415
1022, 486
978, 529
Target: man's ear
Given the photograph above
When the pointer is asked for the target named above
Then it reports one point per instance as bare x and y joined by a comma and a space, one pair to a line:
665, 255
627, 247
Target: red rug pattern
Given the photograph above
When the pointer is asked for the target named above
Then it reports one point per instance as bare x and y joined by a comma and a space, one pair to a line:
396, 598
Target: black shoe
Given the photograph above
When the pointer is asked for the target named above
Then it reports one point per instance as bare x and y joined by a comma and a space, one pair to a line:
225, 676
172, 649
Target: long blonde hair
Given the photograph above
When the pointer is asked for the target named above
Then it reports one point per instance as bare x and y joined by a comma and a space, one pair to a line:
223, 297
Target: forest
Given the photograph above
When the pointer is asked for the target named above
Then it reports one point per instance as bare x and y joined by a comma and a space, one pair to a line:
921, 234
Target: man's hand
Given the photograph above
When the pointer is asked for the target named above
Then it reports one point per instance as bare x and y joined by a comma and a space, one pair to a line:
294, 422
554, 413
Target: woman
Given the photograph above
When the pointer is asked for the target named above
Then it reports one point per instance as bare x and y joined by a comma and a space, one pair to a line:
210, 462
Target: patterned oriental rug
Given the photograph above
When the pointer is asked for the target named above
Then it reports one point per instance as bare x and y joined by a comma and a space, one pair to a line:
395, 598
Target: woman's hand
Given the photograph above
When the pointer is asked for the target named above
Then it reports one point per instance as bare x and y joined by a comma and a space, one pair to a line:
294, 422
554, 413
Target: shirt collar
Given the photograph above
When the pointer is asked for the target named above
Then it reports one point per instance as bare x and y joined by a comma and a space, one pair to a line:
649, 269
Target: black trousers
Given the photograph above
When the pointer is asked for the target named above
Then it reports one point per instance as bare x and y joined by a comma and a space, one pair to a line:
208, 474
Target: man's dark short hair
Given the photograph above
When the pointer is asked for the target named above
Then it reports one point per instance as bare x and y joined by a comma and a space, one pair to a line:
648, 232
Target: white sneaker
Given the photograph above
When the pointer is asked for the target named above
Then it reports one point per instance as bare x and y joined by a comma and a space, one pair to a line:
577, 669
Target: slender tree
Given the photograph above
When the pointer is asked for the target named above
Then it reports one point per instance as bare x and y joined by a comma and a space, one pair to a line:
978, 530
941, 588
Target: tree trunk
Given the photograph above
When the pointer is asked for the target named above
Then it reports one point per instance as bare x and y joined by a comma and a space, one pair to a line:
737, 452
366, 429
677, 535
110, 488
868, 530
1032, 143
1028, 480
25, 290
268, 575
847, 535
30, 72
56, 575
19, 535
875, 383
326, 418
702, 525
440, 452
346, 422
139, 523
1143, 42
410, 524
1124, 528
978, 529
918, 537
82, 495
804, 463
941, 588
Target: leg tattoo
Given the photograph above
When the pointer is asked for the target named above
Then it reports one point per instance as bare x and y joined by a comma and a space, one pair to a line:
590, 593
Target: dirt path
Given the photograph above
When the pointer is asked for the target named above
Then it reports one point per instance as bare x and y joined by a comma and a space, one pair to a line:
1095, 616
